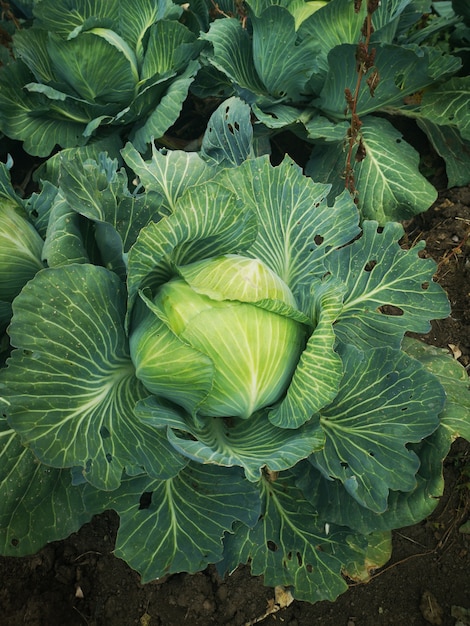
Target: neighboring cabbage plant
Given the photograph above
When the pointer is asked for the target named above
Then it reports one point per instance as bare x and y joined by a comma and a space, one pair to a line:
94, 69
20, 247
221, 359
292, 61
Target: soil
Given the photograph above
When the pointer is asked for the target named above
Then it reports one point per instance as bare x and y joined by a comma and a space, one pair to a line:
78, 581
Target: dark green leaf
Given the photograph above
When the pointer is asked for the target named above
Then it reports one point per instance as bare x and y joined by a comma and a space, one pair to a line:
233, 55
389, 290
177, 525
402, 70
448, 143
166, 111
291, 546
282, 62
70, 383
64, 16
39, 504
334, 503
389, 184
446, 105
335, 24
65, 241
367, 432
228, 139
48, 126
453, 377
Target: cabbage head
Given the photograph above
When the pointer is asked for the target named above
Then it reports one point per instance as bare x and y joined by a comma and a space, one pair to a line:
211, 343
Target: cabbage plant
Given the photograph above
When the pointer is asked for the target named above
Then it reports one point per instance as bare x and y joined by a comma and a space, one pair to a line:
218, 354
292, 61
95, 70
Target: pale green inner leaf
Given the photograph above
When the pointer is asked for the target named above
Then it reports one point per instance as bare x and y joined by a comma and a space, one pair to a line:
251, 444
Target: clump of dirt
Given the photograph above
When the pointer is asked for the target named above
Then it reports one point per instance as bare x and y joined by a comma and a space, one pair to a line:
446, 230
79, 582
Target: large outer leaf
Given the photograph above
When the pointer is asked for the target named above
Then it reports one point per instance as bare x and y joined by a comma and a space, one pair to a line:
412, 13
39, 504
302, 10
233, 55
166, 111
446, 104
388, 181
333, 503
444, 115
448, 143
170, 47
64, 16
402, 71
193, 232
64, 242
317, 376
137, 17
95, 69
455, 418
228, 139
99, 191
167, 174
336, 23
272, 65
180, 522
41, 132
251, 444
387, 18
20, 246
378, 272
296, 228
20, 249
367, 431
282, 62
39, 206
291, 546
70, 383
29, 46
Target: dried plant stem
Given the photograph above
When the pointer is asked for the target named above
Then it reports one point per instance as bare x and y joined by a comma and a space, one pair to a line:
364, 62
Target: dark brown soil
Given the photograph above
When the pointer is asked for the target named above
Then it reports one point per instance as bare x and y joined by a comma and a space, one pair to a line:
79, 582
